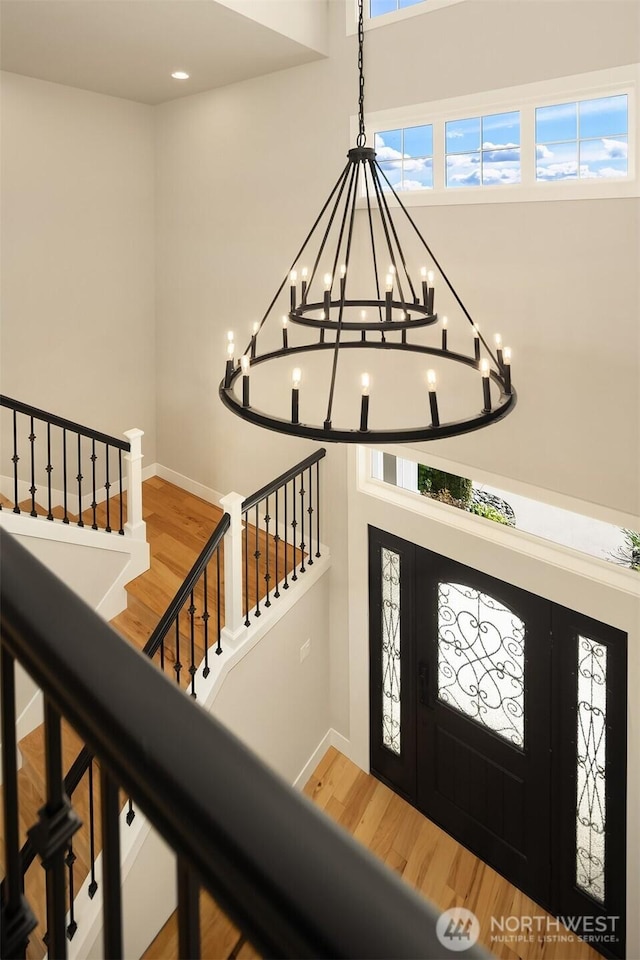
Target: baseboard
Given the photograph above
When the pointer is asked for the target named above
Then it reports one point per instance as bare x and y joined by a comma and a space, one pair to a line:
186, 483
331, 739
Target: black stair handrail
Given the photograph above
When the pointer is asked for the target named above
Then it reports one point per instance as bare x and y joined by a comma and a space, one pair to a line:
294, 883
57, 421
280, 481
183, 592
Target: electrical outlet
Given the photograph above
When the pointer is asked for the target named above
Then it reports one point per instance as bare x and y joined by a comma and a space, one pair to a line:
305, 650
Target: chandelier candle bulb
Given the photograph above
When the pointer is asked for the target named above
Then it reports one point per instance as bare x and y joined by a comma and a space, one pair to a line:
327, 294
425, 285
444, 333
387, 297
230, 352
476, 341
486, 386
498, 342
254, 334
285, 333
433, 400
293, 279
343, 280
506, 367
432, 291
364, 407
245, 363
295, 395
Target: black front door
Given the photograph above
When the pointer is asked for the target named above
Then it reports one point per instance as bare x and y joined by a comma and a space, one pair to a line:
502, 717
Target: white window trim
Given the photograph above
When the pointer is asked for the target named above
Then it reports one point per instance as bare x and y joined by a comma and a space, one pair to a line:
565, 558
525, 98
396, 16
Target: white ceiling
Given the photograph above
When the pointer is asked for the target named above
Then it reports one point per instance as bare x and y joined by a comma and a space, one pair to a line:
129, 48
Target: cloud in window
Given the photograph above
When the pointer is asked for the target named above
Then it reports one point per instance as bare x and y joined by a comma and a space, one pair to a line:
615, 149
543, 153
454, 134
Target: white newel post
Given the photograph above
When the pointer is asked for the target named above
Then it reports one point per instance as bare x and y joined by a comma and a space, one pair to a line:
233, 617
135, 525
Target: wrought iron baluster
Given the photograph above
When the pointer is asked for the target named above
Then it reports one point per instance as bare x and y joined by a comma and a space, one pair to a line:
121, 528
93, 885
205, 621
112, 892
33, 488
192, 635
267, 575
302, 543
188, 912
94, 525
276, 539
70, 860
17, 919
65, 519
310, 512
107, 487
79, 479
177, 665
285, 585
131, 814
162, 654
15, 460
317, 508
57, 822
294, 524
218, 601
247, 622
257, 611
49, 468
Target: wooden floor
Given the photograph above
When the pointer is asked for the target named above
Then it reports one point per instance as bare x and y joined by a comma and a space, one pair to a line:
426, 858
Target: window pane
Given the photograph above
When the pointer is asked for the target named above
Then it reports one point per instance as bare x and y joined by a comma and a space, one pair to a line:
409, 3
501, 166
481, 659
463, 136
557, 161
391, 650
463, 170
557, 123
380, 7
604, 117
604, 158
393, 172
418, 141
591, 769
388, 144
418, 174
501, 130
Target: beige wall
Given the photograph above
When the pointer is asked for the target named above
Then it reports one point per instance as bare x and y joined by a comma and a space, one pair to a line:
78, 237
243, 170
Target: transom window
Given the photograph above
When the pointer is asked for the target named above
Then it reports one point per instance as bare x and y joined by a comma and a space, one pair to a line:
586, 139
378, 8
406, 156
483, 150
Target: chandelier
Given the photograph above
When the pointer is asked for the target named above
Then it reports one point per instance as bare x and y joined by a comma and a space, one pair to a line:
312, 364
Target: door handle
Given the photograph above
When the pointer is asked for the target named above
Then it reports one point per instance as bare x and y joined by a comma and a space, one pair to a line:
423, 680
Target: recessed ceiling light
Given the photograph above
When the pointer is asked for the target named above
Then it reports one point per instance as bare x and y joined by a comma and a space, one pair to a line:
180, 75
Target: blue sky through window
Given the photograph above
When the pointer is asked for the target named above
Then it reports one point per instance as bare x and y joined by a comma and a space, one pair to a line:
378, 8
483, 150
582, 140
406, 156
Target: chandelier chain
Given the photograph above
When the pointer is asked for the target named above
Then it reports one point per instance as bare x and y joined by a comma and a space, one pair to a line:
362, 136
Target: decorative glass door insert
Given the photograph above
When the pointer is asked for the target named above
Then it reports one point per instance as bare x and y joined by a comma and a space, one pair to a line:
391, 650
591, 766
481, 660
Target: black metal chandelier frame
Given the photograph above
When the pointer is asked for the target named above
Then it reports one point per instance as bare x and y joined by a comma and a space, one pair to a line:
404, 306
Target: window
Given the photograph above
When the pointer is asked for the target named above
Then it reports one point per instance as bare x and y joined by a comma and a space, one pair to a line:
586, 140
483, 150
570, 138
406, 156
378, 8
